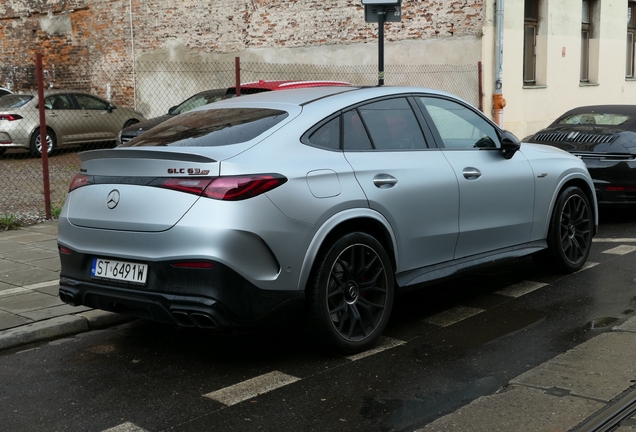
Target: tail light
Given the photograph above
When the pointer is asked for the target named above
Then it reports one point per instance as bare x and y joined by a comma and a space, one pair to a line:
620, 188
231, 188
80, 180
10, 117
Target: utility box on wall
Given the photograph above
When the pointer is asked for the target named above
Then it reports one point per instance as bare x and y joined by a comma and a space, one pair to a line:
391, 9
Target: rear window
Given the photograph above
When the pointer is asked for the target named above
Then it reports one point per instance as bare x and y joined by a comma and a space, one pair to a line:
594, 119
14, 100
210, 128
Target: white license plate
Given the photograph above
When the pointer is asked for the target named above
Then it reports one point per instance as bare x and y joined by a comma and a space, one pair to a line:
119, 271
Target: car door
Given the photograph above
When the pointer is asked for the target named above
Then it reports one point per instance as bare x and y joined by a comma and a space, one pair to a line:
58, 109
97, 120
412, 185
496, 194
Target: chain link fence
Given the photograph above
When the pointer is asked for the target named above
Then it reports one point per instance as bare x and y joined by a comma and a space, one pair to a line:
88, 106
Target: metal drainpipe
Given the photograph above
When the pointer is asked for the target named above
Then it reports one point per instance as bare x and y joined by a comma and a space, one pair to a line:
132, 46
498, 100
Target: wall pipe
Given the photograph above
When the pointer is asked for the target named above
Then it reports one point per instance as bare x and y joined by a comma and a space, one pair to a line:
498, 100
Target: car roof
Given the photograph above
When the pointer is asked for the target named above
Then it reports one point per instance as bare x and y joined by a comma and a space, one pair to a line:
288, 84
605, 109
304, 96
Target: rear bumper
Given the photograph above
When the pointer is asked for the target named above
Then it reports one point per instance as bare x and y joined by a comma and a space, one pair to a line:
614, 182
208, 298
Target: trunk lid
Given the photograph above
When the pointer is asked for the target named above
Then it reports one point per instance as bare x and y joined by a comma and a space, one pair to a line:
124, 194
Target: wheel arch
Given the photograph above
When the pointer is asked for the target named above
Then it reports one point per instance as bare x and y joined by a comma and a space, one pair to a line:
359, 220
48, 127
588, 189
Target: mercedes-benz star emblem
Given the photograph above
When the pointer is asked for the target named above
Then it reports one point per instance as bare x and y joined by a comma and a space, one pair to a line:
113, 199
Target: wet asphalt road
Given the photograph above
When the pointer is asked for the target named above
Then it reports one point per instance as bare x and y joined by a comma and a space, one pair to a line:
154, 377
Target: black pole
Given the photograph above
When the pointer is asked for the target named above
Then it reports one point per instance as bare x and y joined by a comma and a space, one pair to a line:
381, 14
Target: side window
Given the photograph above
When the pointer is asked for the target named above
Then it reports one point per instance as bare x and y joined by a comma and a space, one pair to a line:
392, 125
57, 102
459, 127
355, 136
327, 135
90, 103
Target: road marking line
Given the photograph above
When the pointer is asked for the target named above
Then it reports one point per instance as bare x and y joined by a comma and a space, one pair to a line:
521, 288
587, 265
612, 240
125, 427
620, 250
251, 388
26, 288
452, 316
384, 343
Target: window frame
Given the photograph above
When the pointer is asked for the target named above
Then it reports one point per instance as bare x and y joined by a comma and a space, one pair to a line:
586, 30
630, 40
530, 31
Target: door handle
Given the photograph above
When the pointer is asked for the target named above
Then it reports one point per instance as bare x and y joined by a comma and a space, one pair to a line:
384, 181
471, 173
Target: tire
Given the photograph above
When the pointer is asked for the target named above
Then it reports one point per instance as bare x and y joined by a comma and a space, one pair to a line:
2, 151
350, 293
36, 146
570, 233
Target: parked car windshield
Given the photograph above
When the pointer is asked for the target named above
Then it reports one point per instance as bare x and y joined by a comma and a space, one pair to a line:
594, 119
210, 128
14, 100
197, 101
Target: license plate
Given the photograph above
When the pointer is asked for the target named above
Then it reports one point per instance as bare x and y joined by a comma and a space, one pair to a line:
119, 271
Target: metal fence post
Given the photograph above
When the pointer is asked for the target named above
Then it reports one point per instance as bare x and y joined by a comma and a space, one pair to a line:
45, 144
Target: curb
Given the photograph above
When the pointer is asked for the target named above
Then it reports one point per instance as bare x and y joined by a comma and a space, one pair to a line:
53, 328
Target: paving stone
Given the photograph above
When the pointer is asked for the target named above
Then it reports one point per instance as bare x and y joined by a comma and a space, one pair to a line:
52, 264
9, 266
28, 276
600, 368
55, 311
32, 255
9, 320
30, 301
518, 409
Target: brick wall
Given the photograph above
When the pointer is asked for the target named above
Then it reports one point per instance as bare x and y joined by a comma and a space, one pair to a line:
85, 43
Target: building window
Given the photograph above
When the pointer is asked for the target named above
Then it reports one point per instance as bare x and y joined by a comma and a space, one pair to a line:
585, 42
631, 32
531, 22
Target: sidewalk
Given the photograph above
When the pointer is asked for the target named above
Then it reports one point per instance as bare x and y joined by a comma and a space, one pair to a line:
30, 309
595, 379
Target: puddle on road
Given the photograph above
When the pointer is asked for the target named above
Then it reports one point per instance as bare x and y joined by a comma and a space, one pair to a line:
604, 322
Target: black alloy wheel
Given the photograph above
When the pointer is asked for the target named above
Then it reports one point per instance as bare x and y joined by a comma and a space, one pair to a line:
570, 232
351, 293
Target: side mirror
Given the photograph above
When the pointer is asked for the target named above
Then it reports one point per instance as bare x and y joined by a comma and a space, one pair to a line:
110, 108
509, 144
171, 110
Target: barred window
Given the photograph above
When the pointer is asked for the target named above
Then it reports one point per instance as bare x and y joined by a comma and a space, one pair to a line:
631, 32
531, 22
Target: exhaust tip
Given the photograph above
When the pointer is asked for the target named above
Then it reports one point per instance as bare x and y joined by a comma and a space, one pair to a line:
182, 318
203, 320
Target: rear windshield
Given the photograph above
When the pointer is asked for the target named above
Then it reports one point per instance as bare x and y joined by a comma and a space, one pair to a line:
210, 128
594, 119
14, 100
